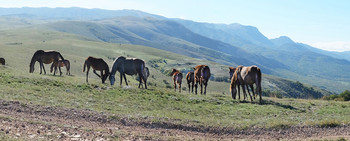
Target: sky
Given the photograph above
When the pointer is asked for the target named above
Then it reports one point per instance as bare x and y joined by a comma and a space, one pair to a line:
323, 24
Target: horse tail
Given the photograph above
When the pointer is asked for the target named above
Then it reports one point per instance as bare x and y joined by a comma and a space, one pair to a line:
179, 77
85, 63
259, 78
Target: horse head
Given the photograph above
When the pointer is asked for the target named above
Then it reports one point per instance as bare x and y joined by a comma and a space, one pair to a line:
232, 70
172, 73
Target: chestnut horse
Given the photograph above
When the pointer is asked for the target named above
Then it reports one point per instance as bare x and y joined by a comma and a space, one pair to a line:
190, 80
2, 61
96, 64
45, 57
128, 66
177, 78
246, 76
201, 76
232, 70
62, 64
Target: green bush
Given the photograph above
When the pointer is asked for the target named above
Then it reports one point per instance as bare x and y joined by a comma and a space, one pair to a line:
344, 96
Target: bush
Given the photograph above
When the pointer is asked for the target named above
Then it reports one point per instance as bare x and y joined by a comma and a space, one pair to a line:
344, 96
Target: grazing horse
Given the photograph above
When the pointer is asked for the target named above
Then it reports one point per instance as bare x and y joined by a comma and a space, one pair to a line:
177, 78
45, 57
62, 64
232, 70
201, 76
2, 61
190, 80
96, 64
246, 76
128, 66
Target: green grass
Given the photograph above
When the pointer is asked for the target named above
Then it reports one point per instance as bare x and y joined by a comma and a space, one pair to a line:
164, 105
158, 103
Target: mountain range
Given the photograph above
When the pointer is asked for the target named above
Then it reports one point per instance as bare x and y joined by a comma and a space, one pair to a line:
229, 44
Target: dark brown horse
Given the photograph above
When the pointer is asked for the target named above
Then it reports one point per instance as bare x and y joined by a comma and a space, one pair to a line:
190, 80
62, 64
2, 61
246, 76
201, 76
130, 66
177, 78
45, 57
97, 64
232, 70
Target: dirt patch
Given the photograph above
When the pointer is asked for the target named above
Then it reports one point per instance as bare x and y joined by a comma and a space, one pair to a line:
28, 121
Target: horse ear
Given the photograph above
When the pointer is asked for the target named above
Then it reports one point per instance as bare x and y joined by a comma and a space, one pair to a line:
231, 68
194, 68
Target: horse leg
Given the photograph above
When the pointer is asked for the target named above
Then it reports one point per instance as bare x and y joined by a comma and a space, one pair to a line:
175, 85
43, 68
252, 88
189, 88
87, 73
201, 83
205, 88
121, 78
245, 94
59, 68
140, 79
180, 87
192, 86
239, 92
196, 86
126, 82
97, 73
41, 65
102, 76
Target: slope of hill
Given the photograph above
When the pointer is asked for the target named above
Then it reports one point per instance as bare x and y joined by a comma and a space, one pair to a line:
249, 47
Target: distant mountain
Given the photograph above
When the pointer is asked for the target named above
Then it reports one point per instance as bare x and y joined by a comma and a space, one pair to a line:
234, 34
73, 13
163, 34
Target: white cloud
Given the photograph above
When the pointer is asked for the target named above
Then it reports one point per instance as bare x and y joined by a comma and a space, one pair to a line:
333, 46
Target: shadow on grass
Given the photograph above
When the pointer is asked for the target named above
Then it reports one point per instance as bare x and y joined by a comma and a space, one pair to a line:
270, 102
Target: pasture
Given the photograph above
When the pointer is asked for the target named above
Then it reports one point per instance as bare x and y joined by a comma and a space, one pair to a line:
157, 104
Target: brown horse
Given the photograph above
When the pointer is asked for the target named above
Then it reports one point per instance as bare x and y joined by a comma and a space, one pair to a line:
232, 70
201, 76
45, 57
130, 66
246, 76
62, 64
177, 78
96, 64
190, 80
2, 61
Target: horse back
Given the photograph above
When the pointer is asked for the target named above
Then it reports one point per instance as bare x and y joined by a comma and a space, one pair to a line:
190, 77
97, 63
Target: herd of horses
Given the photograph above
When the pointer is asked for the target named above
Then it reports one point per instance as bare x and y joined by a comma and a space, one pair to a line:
240, 76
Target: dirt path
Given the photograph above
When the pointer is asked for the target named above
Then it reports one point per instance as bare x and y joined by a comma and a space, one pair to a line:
33, 122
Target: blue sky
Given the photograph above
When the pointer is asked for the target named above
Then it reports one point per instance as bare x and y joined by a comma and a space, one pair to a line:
322, 23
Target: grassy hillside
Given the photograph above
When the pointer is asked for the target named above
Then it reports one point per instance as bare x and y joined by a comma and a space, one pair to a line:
18, 47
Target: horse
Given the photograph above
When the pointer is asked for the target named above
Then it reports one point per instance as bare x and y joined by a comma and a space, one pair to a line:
246, 76
146, 73
130, 66
177, 78
97, 64
201, 76
45, 57
62, 64
232, 70
2, 61
190, 80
